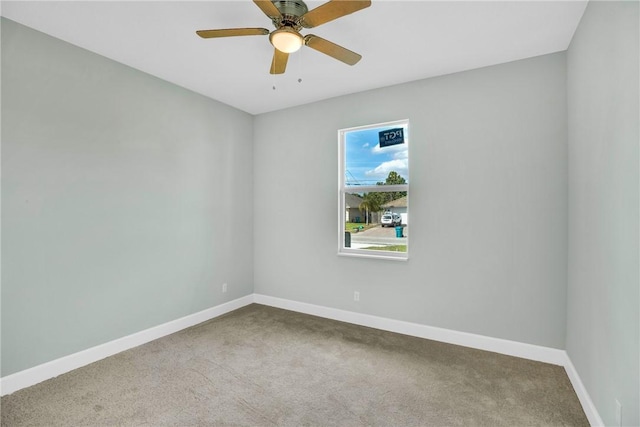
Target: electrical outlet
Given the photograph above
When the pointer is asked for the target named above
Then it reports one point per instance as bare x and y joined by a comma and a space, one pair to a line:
224, 287
356, 296
618, 413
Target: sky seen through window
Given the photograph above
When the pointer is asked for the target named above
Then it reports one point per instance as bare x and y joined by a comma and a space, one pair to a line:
367, 163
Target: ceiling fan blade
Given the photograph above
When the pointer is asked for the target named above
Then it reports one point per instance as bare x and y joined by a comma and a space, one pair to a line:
279, 62
268, 8
333, 50
331, 10
231, 32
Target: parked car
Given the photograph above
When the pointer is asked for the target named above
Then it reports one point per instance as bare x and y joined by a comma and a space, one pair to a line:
390, 220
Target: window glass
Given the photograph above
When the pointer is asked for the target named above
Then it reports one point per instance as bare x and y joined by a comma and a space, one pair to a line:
366, 163
374, 190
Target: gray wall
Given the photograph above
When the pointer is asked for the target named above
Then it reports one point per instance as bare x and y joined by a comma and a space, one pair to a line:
488, 203
126, 201
603, 325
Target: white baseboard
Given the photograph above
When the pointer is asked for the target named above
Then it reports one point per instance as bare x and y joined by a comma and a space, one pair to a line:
585, 400
37, 374
496, 345
32, 376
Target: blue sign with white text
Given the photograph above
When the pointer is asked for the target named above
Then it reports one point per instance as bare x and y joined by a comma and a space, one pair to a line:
391, 137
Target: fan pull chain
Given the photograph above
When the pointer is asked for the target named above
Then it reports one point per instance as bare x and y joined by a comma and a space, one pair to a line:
273, 76
300, 66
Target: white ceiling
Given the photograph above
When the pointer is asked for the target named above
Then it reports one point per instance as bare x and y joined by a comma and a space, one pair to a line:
400, 41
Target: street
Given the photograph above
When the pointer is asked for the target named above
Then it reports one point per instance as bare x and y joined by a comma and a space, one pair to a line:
378, 236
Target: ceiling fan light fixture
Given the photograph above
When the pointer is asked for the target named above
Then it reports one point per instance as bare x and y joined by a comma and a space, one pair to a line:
289, 17
286, 40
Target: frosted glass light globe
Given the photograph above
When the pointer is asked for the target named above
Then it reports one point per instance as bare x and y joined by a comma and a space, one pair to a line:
286, 40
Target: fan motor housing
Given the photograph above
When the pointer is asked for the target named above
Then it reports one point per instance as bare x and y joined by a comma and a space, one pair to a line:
291, 11
295, 8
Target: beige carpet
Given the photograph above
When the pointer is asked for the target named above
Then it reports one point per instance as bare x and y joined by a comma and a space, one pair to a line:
261, 366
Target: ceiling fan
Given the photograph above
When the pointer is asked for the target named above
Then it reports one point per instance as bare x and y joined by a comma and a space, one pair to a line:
289, 17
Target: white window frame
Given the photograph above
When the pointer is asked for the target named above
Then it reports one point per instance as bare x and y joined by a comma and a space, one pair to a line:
343, 189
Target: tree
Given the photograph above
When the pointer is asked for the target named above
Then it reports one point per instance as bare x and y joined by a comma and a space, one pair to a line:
371, 202
393, 178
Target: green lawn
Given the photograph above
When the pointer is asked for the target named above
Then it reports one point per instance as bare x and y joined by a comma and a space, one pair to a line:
352, 226
392, 248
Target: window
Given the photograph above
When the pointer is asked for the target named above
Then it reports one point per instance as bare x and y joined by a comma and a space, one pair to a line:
374, 191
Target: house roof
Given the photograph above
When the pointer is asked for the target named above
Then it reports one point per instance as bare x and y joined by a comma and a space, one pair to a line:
397, 203
352, 200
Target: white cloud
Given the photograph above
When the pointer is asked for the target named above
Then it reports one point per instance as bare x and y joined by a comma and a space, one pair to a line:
404, 154
366, 144
382, 171
386, 150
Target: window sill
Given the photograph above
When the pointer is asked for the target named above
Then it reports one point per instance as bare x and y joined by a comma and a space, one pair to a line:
358, 254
